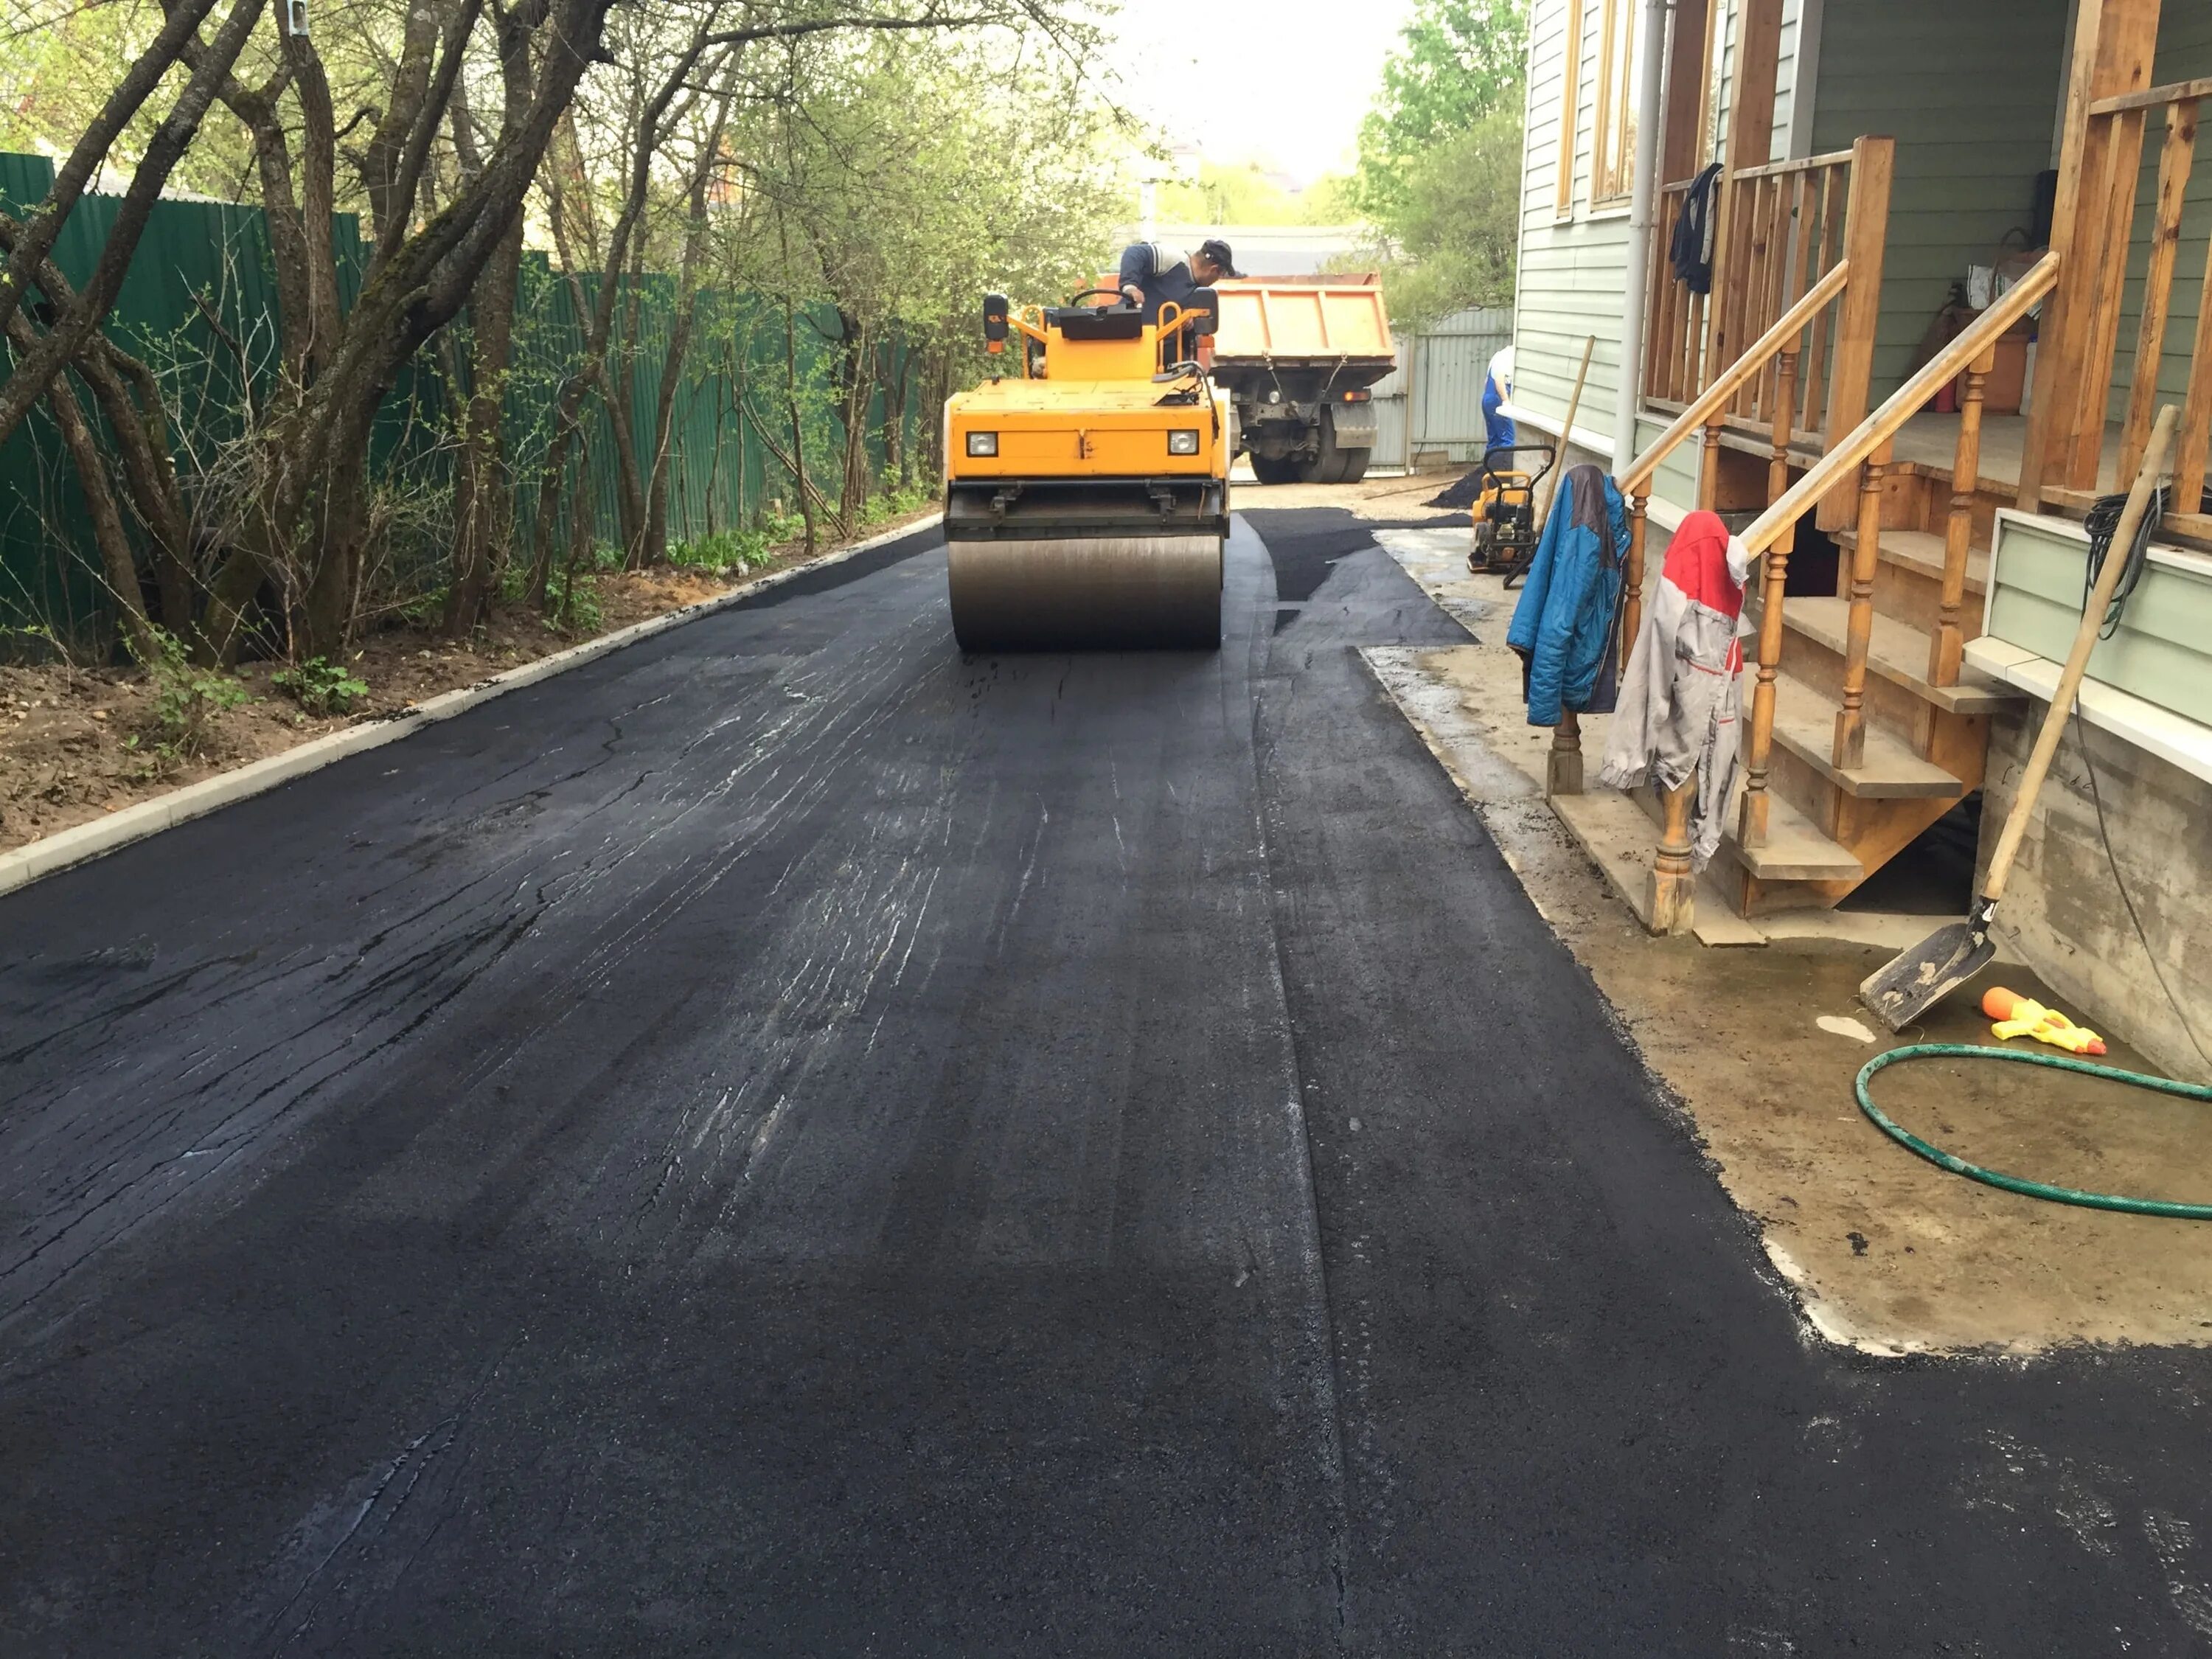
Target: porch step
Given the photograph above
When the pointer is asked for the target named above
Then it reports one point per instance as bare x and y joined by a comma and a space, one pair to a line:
1897, 651
1795, 849
1804, 725
1920, 550
1908, 577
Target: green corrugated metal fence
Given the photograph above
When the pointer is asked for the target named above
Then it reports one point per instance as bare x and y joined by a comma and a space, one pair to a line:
199, 304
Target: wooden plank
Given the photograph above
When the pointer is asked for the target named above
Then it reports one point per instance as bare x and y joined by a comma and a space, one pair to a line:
1667, 295
2114, 41
1712, 345
1751, 100
1866, 232
1811, 417
2108, 281
1759, 247
2175, 156
2189, 459
1804, 164
1715, 12
1688, 63
2150, 97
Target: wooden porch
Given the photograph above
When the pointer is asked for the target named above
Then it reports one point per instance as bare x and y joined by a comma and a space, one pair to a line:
1862, 725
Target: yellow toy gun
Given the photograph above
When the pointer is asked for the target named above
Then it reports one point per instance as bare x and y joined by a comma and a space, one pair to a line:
2016, 1016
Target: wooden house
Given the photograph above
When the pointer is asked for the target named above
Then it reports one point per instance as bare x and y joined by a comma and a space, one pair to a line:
1959, 256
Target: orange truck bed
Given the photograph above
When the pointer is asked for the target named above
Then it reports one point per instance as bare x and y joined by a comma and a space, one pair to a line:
1294, 321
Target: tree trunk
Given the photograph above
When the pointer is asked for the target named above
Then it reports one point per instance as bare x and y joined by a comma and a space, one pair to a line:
483, 500
36, 365
119, 570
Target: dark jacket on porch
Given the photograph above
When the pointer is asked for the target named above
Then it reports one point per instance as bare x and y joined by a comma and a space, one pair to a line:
1564, 625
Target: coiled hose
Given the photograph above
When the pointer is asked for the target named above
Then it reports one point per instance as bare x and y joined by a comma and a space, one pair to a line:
1942, 1159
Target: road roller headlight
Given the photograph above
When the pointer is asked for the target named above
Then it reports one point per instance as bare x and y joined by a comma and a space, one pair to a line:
985, 443
1184, 443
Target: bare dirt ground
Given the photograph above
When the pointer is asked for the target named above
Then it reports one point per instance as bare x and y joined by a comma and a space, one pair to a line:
1372, 497
76, 744
1884, 1251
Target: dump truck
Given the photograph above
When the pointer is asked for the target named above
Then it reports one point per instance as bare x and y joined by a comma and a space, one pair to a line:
1299, 358
1086, 494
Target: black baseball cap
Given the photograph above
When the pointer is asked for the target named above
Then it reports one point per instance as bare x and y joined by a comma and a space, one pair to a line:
1215, 249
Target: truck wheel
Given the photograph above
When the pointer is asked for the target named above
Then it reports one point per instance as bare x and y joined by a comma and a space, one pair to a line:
1276, 469
1332, 464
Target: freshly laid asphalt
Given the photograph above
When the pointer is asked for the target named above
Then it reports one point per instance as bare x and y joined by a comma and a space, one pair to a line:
784, 1141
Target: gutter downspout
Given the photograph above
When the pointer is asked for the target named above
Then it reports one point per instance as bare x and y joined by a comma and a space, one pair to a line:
1642, 192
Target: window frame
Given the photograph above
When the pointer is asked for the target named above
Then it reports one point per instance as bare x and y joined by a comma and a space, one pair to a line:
1613, 157
1571, 76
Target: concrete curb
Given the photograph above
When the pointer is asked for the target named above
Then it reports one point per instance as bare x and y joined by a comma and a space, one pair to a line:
80, 844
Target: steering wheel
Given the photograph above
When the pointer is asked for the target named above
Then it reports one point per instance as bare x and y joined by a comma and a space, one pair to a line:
1113, 293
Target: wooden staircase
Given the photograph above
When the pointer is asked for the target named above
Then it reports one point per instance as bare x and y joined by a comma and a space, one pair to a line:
1862, 727
1830, 826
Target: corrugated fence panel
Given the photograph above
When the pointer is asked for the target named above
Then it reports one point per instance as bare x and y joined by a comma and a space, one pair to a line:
1430, 407
199, 305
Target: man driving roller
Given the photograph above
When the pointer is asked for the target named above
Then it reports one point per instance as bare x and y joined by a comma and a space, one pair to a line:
1153, 274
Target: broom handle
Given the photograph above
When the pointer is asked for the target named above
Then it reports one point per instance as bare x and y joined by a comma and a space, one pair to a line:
2077, 659
1566, 434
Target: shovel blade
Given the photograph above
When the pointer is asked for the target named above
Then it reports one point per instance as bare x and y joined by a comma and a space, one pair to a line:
1914, 980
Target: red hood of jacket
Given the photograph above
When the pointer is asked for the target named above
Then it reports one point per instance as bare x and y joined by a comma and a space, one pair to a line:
1697, 563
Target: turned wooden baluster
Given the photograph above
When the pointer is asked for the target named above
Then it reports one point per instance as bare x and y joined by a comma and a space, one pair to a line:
1709, 466
1631, 580
1751, 825
1947, 648
1850, 719
1564, 776
1673, 883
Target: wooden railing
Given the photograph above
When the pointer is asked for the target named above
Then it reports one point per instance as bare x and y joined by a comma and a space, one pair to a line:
1778, 231
1771, 360
1864, 451
2078, 361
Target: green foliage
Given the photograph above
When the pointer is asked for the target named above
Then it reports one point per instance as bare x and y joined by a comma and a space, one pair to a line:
320, 686
188, 700
1458, 61
1457, 226
571, 603
1439, 166
1243, 195
728, 549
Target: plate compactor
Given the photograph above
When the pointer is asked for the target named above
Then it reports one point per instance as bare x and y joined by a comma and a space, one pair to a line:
1505, 527
1087, 495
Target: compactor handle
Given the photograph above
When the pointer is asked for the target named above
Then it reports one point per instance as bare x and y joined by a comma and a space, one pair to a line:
1549, 451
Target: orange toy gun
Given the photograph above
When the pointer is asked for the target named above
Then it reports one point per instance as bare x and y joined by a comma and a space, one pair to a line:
2016, 1016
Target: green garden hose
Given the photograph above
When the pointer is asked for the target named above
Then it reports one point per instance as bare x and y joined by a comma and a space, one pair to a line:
1942, 1159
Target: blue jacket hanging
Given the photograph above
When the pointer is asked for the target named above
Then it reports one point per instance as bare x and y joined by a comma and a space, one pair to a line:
1564, 625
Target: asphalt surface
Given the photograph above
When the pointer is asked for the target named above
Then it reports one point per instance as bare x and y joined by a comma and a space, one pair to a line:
785, 1141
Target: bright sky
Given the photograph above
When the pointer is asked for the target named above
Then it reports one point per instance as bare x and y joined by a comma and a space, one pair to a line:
1283, 80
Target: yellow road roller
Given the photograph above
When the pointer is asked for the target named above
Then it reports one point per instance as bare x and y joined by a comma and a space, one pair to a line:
1087, 495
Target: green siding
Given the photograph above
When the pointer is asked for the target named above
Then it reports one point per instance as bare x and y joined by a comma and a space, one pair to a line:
2162, 650
1573, 276
1969, 88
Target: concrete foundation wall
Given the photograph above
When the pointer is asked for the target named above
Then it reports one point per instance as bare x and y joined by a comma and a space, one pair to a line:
2060, 911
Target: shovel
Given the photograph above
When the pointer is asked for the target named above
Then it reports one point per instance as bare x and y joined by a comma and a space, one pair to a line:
1922, 977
